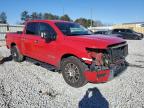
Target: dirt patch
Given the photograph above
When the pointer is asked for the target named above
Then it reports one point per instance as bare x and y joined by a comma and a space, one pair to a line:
51, 93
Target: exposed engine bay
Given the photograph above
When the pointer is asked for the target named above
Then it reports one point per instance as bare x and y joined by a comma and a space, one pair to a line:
112, 58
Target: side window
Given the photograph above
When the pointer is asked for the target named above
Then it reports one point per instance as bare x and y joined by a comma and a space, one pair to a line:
115, 31
129, 31
32, 28
118, 30
123, 30
47, 29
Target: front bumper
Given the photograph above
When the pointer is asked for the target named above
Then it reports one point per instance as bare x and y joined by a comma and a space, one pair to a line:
105, 75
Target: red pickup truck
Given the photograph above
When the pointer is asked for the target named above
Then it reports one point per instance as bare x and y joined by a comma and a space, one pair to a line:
78, 54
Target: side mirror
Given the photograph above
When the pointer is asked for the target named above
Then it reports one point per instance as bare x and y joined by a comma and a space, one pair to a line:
48, 36
43, 34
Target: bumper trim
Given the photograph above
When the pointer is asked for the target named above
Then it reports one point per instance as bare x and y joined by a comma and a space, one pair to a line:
104, 75
96, 77
86, 59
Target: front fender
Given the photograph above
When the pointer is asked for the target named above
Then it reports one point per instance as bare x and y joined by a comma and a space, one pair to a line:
81, 53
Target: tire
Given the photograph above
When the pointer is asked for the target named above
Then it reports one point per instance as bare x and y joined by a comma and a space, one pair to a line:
72, 70
142, 36
16, 55
137, 38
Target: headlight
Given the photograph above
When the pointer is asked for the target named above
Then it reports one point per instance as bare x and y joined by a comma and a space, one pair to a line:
99, 56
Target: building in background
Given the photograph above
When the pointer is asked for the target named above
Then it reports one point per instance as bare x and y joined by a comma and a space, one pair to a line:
4, 28
136, 26
94, 29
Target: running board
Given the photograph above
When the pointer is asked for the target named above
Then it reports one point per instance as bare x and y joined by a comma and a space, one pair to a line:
42, 64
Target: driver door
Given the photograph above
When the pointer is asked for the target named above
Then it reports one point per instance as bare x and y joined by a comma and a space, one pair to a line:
46, 51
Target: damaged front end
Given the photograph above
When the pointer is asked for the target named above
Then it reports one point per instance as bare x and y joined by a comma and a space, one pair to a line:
106, 63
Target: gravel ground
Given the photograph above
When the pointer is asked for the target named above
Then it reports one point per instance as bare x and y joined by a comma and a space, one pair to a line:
25, 85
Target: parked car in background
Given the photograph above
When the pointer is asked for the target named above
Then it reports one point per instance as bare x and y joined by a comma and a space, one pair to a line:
126, 34
108, 33
101, 32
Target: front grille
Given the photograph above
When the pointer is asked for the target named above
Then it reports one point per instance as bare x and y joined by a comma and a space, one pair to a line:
118, 52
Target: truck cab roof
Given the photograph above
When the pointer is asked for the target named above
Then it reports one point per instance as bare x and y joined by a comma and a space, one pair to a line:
53, 21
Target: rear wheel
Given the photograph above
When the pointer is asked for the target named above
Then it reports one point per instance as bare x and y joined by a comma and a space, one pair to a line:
72, 71
137, 38
17, 56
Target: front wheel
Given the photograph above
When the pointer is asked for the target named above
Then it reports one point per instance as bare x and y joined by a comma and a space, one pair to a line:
72, 71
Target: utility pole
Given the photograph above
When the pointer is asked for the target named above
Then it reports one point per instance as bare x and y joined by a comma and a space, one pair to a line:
63, 11
91, 17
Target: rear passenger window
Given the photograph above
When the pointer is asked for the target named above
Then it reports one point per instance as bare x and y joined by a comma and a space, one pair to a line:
32, 28
115, 30
129, 31
123, 30
119, 30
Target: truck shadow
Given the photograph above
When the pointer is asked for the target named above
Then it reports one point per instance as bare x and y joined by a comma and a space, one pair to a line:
93, 99
6, 59
136, 66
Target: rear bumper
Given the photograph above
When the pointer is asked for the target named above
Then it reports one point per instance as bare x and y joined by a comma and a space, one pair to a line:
104, 75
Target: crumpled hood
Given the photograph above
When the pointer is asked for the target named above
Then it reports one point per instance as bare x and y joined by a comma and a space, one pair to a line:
95, 41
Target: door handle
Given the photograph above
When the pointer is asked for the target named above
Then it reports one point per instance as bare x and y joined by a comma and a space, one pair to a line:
36, 41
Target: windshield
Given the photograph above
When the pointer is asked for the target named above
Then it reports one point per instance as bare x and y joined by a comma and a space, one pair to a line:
72, 29
109, 32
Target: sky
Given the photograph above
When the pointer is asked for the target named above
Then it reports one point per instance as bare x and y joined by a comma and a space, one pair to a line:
107, 11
